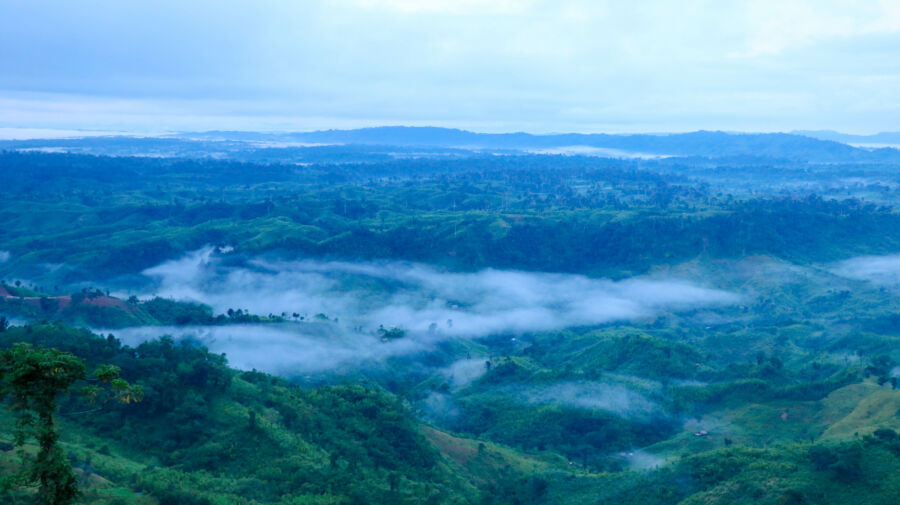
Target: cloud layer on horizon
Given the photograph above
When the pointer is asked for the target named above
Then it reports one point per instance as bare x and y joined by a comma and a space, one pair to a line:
538, 65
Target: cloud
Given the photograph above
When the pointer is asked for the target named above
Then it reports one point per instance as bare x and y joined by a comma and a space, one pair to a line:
607, 397
623, 399
492, 65
432, 306
420, 298
775, 27
465, 371
292, 350
879, 270
449, 6
642, 460
439, 407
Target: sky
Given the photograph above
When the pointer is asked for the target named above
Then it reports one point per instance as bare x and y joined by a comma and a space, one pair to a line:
486, 65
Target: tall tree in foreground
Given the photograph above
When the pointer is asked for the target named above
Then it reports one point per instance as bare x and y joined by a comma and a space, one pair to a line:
33, 378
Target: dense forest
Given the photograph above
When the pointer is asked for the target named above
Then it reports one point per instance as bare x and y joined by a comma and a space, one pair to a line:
427, 323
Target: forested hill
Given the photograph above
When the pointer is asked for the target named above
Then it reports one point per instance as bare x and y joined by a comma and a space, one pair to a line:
499, 329
205, 434
97, 217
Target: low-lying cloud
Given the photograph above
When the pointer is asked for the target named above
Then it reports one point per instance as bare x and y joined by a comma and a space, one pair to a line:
358, 298
613, 398
642, 460
465, 371
420, 298
289, 349
880, 270
606, 396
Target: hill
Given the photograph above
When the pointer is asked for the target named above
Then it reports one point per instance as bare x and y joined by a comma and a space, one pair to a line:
699, 143
96, 309
208, 434
350, 145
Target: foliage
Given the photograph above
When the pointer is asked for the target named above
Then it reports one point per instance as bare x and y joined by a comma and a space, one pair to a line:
34, 377
501, 212
789, 396
255, 436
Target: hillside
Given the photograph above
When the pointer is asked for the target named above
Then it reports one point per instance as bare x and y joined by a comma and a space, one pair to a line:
94, 309
437, 326
207, 434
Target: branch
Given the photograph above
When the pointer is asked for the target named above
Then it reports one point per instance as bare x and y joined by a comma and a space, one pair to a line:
80, 412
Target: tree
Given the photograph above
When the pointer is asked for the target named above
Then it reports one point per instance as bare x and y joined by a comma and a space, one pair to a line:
822, 457
34, 377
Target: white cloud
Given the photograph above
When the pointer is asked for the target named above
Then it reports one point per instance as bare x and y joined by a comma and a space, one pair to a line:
606, 396
448, 6
880, 270
776, 26
431, 305
491, 65
415, 296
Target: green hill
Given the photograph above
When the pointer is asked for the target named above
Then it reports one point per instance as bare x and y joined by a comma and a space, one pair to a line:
208, 434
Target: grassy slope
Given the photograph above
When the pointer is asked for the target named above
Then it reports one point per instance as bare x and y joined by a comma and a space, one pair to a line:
848, 412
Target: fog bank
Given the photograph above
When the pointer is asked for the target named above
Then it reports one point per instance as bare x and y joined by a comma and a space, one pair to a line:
340, 307
614, 398
290, 349
880, 270
421, 298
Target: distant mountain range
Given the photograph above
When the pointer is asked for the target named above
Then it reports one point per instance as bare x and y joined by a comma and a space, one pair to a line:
883, 138
700, 143
816, 147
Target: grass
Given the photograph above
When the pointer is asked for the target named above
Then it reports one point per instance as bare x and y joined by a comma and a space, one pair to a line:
851, 411
878, 408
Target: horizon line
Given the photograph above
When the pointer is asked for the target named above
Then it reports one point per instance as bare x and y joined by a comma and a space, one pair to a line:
10, 133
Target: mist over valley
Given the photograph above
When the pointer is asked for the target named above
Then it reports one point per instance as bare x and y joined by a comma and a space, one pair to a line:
580, 314
449, 252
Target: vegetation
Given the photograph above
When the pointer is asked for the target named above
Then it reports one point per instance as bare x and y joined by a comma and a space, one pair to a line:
33, 378
204, 433
104, 217
788, 395
94, 308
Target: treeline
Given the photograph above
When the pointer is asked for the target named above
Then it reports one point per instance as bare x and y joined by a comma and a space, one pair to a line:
96, 309
536, 213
